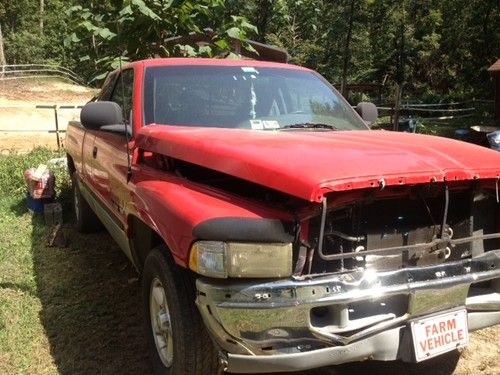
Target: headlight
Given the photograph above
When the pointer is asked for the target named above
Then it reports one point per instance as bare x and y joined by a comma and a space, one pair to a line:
235, 259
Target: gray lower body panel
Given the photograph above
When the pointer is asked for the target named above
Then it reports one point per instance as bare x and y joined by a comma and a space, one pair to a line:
107, 219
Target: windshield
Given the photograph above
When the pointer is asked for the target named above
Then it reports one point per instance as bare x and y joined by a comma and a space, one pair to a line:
244, 97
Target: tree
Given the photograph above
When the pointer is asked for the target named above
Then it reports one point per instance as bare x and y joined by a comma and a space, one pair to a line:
42, 8
132, 28
347, 51
434, 49
2, 55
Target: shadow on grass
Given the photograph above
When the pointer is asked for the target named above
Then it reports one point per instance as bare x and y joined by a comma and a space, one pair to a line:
18, 287
19, 208
91, 309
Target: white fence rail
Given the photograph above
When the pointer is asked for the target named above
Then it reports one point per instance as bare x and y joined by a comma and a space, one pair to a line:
27, 71
55, 108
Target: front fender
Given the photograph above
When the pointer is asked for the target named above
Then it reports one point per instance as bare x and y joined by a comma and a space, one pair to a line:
181, 211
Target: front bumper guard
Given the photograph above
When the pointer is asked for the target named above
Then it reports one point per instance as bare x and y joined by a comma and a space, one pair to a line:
297, 324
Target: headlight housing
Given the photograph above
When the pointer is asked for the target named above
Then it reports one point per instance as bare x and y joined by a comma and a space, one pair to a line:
236, 259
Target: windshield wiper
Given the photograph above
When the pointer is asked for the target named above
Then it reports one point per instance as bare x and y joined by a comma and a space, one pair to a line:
309, 125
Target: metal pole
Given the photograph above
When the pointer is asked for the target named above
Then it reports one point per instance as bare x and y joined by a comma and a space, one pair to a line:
57, 128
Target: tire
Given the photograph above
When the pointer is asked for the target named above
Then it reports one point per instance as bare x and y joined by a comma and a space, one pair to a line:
175, 318
86, 220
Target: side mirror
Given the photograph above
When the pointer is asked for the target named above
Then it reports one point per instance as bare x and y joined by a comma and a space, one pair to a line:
368, 112
494, 140
97, 114
118, 129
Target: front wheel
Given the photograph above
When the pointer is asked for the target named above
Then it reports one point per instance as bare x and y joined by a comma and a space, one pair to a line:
178, 341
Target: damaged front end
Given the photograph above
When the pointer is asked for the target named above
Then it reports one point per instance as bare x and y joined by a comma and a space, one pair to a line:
366, 263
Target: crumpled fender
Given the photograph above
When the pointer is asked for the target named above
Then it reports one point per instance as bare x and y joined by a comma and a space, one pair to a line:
174, 207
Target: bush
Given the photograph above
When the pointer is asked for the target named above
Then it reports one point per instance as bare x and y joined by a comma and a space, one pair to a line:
24, 47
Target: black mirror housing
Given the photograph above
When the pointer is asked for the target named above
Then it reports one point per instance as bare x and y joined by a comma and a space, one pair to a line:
101, 113
368, 112
121, 129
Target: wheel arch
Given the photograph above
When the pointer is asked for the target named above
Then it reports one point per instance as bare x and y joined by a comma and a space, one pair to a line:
71, 164
143, 238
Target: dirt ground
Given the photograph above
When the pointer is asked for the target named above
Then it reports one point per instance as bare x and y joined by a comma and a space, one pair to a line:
23, 127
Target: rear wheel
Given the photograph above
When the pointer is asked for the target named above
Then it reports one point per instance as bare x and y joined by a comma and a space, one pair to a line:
85, 219
178, 341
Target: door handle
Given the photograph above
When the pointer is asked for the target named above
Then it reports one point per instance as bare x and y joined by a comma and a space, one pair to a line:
94, 152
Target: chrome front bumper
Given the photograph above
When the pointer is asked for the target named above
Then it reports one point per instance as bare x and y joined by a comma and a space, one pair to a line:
298, 324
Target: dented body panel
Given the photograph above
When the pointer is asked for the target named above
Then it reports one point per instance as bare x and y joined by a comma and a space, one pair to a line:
170, 217
311, 164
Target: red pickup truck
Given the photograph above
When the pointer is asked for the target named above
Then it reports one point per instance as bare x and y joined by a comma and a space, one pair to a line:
274, 231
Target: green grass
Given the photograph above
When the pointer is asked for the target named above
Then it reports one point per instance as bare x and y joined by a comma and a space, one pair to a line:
446, 128
63, 310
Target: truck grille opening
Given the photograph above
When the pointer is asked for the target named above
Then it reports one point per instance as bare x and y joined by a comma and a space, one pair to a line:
350, 318
399, 222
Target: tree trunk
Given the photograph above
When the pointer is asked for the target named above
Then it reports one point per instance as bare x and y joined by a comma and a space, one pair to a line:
347, 53
264, 10
94, 42
400, 68
42, 9
2, 55
401, 61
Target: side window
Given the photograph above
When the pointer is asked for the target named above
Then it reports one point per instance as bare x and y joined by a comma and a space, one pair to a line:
122, 93
107, 87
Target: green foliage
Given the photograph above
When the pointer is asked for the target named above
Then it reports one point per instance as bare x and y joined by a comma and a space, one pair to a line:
435, 49
138, 29
25, 46
25, 42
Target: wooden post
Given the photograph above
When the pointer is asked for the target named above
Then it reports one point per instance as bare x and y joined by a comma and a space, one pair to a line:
57, 128
497, 94
56, 121
397, 106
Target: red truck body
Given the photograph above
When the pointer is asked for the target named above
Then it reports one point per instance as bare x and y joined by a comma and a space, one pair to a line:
300, 168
